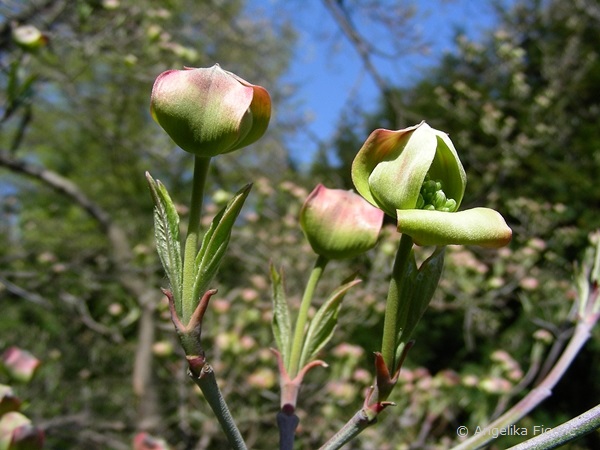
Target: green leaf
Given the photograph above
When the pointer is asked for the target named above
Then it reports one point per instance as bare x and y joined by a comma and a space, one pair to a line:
281, 323
321, 328
166, 233
17, 90
417, 289
216, 240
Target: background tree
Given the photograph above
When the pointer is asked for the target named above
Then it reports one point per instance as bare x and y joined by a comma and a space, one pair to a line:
80, 277
78, 260
521, 107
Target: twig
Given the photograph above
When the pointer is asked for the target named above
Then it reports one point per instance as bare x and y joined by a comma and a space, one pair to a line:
564, 433
364, 50
353, 428
207, 382
25, 294
538, 394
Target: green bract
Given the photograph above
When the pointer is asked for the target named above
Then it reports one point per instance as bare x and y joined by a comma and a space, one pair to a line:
339, 224
478, 226
415, 176
209, 111
390, 168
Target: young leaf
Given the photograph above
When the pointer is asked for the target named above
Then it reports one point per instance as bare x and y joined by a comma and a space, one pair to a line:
215, 241
420, 287
17, 91
166, 233
281, 324
323, 324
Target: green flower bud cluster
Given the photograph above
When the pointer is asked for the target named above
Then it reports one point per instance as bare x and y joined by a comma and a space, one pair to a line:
433, 198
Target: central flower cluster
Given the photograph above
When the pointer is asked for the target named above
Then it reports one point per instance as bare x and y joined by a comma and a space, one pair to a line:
432, 197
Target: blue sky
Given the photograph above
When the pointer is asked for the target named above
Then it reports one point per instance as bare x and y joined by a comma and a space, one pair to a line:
328, 70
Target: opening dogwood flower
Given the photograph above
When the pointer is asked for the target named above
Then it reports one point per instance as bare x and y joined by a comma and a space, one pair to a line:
415, 176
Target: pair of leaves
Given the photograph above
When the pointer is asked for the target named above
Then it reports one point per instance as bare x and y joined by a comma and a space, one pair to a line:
417, 286
323, 324
212, 250
321, 327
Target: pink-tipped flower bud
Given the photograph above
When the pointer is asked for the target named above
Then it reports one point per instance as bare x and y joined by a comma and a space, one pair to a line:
339, 224
17, 432
208, 112
20, 364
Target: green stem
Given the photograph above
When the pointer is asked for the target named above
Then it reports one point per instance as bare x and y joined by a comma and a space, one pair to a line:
349, 431
207, 382
389, 343
201, 166
298, 341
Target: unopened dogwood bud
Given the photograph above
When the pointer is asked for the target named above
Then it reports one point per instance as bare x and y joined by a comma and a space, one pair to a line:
339, 224
208, 112
29, 37
17, 432
19, 364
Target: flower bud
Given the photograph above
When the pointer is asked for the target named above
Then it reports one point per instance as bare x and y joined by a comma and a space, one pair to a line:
144, 441
17, 432
8, 400
208, 112
29, 37
339, 224
19, 364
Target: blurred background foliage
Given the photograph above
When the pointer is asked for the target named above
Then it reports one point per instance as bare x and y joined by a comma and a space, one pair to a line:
79, 277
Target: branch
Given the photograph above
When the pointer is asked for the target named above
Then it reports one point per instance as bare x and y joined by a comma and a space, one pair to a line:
86, 317
564, 433
60, 184
541, 392
119, 243
121, 256
349, 431
25, 294
357, 41
362, 47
